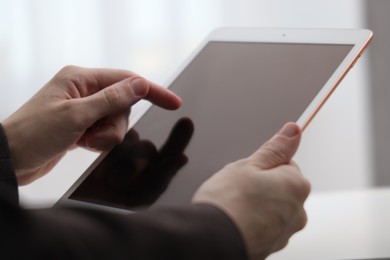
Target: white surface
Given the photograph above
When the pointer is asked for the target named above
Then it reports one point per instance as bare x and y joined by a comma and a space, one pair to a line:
343, 225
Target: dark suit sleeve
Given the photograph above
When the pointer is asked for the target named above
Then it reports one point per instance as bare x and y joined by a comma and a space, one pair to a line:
194, 232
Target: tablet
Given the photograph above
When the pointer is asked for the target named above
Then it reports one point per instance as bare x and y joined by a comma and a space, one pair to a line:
238, 89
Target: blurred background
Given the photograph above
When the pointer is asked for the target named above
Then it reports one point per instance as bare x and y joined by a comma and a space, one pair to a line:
345, 147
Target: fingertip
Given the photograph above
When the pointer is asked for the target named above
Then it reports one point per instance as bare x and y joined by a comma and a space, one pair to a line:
280, 148
290, 129
177, 103
175, 100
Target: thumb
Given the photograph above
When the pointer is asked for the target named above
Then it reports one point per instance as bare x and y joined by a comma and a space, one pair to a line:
115, 98
279, 149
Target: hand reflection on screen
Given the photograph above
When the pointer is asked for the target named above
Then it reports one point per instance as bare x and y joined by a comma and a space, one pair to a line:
135, 173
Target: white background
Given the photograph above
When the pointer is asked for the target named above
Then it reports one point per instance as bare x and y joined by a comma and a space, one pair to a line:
152, 37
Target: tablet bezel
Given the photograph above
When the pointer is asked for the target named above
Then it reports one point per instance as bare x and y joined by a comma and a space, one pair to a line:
359, 38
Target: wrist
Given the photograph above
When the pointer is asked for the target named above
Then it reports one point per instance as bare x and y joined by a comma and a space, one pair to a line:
13, 144
16, 147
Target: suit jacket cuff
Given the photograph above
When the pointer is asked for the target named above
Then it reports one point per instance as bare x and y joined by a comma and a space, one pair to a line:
199, 231
8, 182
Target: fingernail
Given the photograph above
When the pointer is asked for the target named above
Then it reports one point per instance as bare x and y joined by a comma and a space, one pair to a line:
139, 87
289, 130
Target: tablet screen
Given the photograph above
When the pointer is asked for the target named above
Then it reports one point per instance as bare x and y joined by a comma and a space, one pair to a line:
236, 95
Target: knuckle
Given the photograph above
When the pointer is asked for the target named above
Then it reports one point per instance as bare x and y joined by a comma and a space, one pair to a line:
302, 187
282, 244
70, 76
73, 76
297, 185
112, 96
299, 221
67, 72
115, 137
274, 154
69, 68
302, 221
306, 187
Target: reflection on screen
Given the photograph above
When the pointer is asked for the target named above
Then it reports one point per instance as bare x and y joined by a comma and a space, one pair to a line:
236, 96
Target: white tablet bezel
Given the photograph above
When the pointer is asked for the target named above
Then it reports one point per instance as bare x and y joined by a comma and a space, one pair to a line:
359, 38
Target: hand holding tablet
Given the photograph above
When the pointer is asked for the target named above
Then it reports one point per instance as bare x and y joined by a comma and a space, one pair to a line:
263, 193
238, 88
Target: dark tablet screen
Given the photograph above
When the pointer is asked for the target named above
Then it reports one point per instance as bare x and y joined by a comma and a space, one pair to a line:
235, 97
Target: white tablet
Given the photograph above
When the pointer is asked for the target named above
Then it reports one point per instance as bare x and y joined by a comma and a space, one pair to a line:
238, 88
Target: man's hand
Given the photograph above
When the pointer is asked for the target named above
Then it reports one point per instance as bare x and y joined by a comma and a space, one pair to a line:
79, 106
263, 194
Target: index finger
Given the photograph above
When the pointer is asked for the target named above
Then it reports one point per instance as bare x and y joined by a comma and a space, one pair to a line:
96, 79
162, 97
